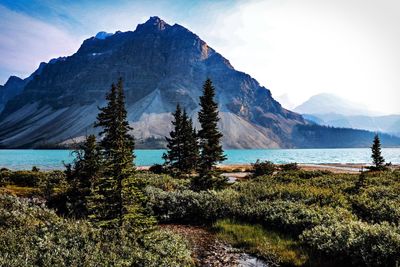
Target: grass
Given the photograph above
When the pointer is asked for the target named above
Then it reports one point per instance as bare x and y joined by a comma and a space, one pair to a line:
20, 191
254, 239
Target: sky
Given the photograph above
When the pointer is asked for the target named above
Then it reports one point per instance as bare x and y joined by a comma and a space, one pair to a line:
295, 48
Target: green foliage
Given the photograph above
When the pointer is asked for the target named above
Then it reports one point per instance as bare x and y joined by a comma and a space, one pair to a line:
319, 206
115, 197
182, 148
376, 155
205, 181
359, 242
211, 151
276, 249
32, 235
184, 206
263, 168
81, 174
289, 167
157, 169
35, 169
163, 181
22, 178
378, 203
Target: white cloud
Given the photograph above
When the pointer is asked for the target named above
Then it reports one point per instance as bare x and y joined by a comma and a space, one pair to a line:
301, 48
293, 47
25, 42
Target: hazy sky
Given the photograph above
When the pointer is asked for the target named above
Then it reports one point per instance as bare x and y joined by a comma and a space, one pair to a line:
296, 48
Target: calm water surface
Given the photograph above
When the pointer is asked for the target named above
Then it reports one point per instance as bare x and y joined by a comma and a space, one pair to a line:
53, 159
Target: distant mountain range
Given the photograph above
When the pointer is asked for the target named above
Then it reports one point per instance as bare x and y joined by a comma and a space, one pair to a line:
330, 103
161, 65
331, 110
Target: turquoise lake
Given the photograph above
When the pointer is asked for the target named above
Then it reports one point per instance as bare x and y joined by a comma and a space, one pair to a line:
53, 159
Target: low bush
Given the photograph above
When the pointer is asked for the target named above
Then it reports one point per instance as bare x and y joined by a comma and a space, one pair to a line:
289, 167
184, 206
361, 243
157, 169
34, 178
292, 217
32, 235
22, 178
378, 204
163, 181
263, 168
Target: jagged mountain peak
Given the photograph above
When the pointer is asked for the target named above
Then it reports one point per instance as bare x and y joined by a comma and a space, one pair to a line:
102, 35
153, 24
161, 65
13, 79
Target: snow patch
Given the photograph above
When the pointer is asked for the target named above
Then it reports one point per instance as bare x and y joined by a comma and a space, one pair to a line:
102, 35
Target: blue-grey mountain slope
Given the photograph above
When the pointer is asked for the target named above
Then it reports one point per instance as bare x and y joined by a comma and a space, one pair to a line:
161, 65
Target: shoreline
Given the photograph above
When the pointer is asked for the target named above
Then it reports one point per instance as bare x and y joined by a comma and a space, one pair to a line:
333, 167
350, 168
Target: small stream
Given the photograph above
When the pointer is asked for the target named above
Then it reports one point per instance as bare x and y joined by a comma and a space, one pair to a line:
246, 260
209, 251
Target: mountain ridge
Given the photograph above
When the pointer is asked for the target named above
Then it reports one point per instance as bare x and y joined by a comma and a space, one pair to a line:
161, 65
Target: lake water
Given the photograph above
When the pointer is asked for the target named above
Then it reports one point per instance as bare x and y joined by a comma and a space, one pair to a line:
52, 159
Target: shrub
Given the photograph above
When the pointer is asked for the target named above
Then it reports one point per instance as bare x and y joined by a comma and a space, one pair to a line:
23, 178
34, 178
293, 217
35, 169
157, 169
290, 167
163, 181
362, 243
32, 235
378, 203
263, 168
184, 206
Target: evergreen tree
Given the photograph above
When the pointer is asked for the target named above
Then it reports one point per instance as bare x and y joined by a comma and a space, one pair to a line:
81, 174
182, 147
119, 199
190, 146
376, 155
211, 151
173, 157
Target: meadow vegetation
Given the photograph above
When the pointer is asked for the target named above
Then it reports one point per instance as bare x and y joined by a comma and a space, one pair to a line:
102, 210
325, 218
290, 218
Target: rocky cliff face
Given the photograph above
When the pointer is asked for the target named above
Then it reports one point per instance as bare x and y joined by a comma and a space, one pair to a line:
10, 89
161, 65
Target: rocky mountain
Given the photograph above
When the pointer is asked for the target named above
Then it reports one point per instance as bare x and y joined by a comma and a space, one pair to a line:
161, 65
331, 110
329, 103
387, 124
10, 89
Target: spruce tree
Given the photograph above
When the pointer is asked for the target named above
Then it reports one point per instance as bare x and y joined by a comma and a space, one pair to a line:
182, 147
190, 146
117, 191
376, 155
80, 175
211, 151
173, 156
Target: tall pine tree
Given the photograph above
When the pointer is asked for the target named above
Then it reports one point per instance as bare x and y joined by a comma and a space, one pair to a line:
182, 148
190, 146
81, 174
211, 151
173, 156
120, 201
377, 158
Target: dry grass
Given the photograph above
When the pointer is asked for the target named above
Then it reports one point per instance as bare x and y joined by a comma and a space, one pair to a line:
20, 191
